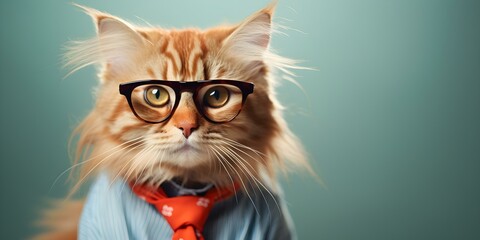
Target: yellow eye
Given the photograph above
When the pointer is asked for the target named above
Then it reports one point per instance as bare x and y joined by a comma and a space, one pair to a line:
157, 96
216, 97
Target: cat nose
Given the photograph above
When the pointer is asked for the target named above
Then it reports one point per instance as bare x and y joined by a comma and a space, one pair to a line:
186, 116
187, 127
186, 119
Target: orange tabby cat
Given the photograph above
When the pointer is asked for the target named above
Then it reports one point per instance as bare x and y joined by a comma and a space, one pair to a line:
186, 144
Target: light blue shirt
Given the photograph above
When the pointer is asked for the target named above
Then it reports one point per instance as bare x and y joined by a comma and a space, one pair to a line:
113, 211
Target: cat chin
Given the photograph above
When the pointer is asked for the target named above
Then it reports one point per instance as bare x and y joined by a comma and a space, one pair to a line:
190, 172
186, 148
187, 157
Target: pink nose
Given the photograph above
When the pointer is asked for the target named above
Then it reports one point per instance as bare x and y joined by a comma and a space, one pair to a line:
186, 119
187, 127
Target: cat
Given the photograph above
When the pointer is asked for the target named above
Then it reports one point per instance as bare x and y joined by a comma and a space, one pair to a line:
192, 142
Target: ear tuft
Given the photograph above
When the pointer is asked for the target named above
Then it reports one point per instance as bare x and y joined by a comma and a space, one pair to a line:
117, 44
249, 43
253, 32
106, 23
93, 13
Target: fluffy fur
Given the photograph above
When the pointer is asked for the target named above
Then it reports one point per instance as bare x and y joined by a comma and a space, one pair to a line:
248, 150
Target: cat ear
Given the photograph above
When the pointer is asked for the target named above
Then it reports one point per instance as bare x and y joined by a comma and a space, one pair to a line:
107, 24
117, 44
251, 38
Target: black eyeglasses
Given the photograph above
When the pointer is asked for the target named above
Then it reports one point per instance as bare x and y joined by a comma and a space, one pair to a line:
154, 101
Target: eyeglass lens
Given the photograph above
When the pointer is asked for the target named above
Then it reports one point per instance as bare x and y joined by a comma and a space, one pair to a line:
217, 102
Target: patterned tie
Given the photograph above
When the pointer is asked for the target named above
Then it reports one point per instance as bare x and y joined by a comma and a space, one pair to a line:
185, 214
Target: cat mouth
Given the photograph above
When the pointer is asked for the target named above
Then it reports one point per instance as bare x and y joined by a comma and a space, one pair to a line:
186, 147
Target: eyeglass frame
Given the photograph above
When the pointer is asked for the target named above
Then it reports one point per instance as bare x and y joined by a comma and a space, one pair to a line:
179, 87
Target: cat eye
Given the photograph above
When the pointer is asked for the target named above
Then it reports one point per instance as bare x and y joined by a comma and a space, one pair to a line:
216, 97
154, 101
156, 96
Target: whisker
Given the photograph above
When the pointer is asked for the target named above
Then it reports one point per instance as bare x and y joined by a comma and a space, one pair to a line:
236, 148
137, 162
219, 157
147, 163
240, 178
258, 154
136, 147
255, 179
90, 159
234, 156
210, 163
128, 162
80, 182
244, 146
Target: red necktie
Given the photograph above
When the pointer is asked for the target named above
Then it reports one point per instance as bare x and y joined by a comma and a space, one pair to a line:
185, 214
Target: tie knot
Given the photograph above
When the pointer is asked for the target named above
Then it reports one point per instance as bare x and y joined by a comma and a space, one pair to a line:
184, 210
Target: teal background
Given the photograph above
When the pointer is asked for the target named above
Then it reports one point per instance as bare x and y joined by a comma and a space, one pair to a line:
390, 117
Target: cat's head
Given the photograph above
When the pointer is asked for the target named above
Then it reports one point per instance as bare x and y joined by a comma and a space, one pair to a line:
187, 145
